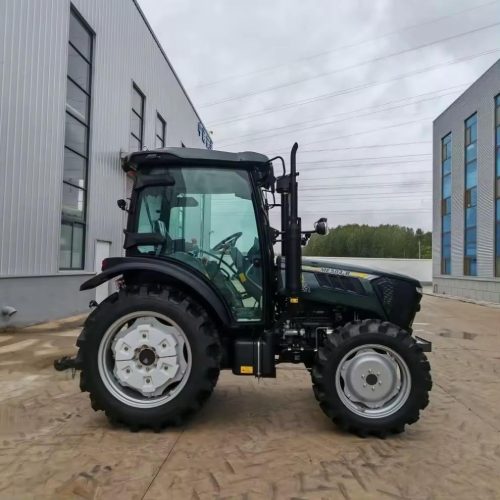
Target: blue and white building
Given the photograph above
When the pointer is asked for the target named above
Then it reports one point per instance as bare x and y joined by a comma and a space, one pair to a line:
466, 186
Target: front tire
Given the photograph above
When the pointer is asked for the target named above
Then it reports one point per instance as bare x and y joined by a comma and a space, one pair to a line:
371, 378
150, 357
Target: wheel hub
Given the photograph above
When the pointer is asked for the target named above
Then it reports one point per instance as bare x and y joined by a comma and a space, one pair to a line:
370, 379
148, 356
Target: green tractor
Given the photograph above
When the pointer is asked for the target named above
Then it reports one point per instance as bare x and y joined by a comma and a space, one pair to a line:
200, 289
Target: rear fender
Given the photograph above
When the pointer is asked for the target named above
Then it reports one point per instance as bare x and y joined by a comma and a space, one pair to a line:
175, 273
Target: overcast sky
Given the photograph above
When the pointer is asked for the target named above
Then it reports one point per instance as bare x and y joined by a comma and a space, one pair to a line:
356, 83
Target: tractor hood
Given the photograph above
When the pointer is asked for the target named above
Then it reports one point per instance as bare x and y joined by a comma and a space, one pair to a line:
380, 294
315, 264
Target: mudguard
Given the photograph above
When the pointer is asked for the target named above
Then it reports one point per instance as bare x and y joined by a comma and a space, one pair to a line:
171, 271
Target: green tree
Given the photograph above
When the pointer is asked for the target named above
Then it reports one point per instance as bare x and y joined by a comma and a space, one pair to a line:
361, 240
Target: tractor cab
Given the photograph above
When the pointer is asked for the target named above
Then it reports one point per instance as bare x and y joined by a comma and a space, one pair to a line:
206, 214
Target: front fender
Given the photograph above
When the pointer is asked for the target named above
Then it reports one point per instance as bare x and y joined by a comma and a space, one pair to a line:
170, 272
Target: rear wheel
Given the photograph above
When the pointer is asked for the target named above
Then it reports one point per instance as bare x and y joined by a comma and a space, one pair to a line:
371, 377
150, 357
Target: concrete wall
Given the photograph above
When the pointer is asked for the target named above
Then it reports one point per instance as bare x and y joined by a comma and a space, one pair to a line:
420, 269
479, 289
43, 298
479, 98
33, 69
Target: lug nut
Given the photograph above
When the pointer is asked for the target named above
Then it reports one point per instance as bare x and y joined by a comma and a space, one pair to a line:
125, 348
148, 380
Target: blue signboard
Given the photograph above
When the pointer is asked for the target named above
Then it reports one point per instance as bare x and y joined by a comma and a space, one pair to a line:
205, 136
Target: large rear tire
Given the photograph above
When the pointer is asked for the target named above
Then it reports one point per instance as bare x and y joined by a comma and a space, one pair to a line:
150, 357
371, 378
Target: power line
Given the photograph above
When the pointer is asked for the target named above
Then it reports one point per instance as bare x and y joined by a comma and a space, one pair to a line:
343, 47
380, 211
410, 196
330, 95
369, 199
359, 188
380, 174
369, 158
355, 113
352, 66
378, 193
366, 147
373, 185
410, 122
325, 164
414, 195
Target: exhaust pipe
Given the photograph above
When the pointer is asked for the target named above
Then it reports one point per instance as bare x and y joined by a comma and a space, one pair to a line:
293, 259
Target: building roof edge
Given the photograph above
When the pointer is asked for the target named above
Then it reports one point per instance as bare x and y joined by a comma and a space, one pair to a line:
466, 90
155, 38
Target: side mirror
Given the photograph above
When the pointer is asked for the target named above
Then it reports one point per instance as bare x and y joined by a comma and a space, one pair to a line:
321, 226
122, 205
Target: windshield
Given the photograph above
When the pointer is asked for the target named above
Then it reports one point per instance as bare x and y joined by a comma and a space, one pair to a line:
207, 220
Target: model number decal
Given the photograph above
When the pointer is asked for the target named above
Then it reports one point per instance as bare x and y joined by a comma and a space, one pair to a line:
338, 272
342, 272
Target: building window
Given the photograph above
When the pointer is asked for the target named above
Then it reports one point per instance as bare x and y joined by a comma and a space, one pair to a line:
497, 184
137, 119
76, 144
446, 205
161, 127
470, 197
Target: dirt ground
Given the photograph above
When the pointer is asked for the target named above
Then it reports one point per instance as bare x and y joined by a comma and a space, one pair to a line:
256, 440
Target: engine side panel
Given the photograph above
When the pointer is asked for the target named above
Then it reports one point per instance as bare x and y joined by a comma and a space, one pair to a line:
340, 288
387, 296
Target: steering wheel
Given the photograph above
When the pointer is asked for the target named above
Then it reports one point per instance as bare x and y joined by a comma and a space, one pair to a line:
227, 242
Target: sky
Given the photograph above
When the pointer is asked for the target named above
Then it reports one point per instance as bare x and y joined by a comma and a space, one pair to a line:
356, 83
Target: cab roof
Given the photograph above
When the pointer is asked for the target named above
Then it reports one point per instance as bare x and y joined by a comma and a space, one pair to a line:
193, 157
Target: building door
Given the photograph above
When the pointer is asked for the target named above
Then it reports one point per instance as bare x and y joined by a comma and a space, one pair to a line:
102, 251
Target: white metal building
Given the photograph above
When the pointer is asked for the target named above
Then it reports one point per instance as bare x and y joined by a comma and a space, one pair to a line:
81, 82
466, 180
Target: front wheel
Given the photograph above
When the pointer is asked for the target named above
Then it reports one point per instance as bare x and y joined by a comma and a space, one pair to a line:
150, 357
371, 377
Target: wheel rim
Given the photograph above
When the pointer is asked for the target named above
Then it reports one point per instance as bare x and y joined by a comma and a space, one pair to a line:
144, 359
373, 381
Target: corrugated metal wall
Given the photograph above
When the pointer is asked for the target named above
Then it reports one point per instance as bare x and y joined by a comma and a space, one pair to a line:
33, 67
32, 97
478, 98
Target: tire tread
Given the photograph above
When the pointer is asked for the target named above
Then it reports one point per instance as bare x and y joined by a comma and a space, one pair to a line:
205, 329
322, 376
